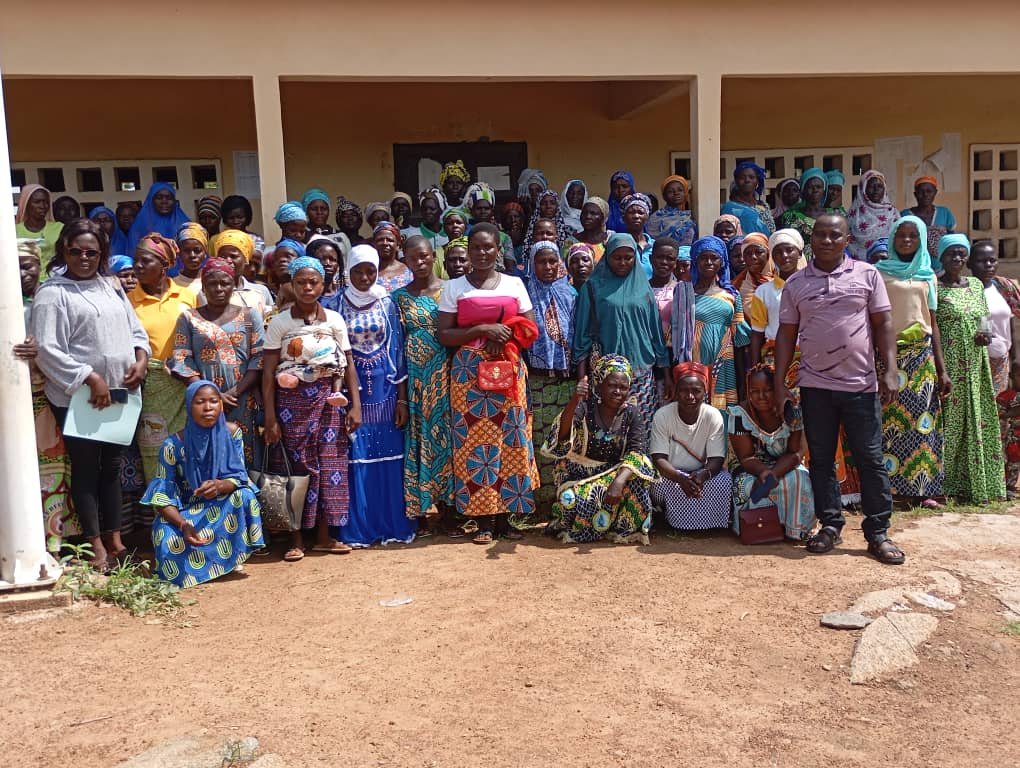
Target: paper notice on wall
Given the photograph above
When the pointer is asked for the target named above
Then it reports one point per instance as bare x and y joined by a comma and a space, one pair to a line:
496, 176
246, 175
950, 162
898, 158
428, 173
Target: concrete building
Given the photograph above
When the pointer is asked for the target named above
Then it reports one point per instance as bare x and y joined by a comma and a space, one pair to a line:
271, 98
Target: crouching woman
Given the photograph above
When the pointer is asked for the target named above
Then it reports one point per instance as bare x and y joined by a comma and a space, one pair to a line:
208, 520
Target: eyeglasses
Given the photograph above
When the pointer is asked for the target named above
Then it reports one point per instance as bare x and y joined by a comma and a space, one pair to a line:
88, 253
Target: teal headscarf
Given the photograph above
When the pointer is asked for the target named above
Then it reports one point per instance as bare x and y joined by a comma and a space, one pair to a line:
619, 313
919, 267
948, 241
815, 173
835, 179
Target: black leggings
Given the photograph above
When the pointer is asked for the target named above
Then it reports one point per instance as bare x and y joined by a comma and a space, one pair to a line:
95, 481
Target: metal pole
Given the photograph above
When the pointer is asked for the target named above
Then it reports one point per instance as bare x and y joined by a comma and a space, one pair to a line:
24, 561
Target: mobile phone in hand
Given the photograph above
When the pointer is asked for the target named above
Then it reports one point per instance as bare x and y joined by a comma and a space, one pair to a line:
118, 395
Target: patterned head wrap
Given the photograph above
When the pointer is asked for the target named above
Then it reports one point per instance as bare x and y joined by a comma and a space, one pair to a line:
639, 199
375, 208
193, 231
457, 211
701, 372
218, 265
732, 220
118, 263
312, 195
302, 262
290, 211
455, 169
343, 204
758, 170
382, 226
612, 364
601, 203
926, 180
458, 242
835, 178
234, 237
580, 249
514, 206
163, 248
528, 177
951, 240
210, 204
477, 192
436, 194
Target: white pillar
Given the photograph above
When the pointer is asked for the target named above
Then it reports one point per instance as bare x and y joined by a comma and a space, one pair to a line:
706, 130
24, 561
272, 165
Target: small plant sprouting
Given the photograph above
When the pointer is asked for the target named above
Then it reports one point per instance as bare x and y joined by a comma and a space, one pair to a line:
127, 585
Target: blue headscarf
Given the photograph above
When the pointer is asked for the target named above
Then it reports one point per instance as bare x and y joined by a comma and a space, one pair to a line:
304, 262
148, 220
615, 219
311, 196
814, 173
717, 246
118, 240
554, 309
294, 245
919, 267
758, 170
290, 211
209, 452
834, 178
683, 253
948, 241
879, 246
119, 263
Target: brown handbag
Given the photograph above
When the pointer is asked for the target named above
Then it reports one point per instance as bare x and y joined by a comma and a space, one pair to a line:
761, 525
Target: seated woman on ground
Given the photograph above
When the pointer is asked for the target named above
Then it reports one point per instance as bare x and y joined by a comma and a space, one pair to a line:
208, 519
765, 445
688, 445
603, 474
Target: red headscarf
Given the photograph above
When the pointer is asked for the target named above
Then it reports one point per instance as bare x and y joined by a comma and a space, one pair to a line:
697, 370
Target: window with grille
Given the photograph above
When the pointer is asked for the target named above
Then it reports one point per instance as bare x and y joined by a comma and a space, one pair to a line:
994, 177
782, 164
109, 182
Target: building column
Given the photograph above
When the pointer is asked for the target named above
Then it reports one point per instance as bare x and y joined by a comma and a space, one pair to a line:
272, 165
706, 131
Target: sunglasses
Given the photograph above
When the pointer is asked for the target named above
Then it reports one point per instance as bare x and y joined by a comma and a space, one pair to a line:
88, 253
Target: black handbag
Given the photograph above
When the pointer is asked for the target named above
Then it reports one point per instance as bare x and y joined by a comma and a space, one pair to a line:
282, 497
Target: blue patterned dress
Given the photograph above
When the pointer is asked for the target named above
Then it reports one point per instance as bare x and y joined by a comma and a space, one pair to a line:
378, 512
232, 524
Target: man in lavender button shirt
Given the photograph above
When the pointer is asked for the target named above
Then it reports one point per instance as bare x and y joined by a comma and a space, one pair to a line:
840, 310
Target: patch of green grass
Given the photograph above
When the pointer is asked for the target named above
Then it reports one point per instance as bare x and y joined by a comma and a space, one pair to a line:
128, 585
951, 505
238, 755
1012, 629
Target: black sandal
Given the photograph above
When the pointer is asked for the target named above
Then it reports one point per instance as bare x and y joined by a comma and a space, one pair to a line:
885, 551
824, 541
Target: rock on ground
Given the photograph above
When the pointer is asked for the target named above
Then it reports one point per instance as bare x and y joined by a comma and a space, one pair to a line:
926, 600
191, 753
845, 620
888, 645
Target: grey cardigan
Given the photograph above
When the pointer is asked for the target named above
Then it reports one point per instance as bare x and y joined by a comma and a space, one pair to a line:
83, 326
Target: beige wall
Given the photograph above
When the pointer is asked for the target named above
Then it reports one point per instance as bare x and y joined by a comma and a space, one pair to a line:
340, 136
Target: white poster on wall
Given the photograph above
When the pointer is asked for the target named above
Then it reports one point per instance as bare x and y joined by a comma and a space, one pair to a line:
246, 175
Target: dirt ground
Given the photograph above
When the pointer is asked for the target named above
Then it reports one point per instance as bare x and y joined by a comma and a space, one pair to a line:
693, 651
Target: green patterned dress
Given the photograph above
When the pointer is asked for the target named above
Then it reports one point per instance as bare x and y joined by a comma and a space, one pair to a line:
428, 473
973, 447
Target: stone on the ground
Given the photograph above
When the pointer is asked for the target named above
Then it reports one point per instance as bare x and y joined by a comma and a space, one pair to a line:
888, 645
946, 584
883, 599
845, 620
927, 600
243, 750
191, 753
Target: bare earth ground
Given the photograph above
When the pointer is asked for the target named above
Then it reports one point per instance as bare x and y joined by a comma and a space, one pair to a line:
693, 651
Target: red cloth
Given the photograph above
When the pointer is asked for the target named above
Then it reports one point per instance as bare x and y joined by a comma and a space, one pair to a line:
524, 334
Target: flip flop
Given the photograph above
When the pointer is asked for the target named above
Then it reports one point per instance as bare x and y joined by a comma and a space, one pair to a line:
335, 548
294, 554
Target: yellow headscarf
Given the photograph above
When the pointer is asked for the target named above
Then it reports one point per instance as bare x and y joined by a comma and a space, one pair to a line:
193, 231
240, 240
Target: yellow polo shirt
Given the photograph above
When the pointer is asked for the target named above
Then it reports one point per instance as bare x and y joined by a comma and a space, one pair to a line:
158, 315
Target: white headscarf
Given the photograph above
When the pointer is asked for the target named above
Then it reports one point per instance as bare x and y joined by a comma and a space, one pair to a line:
572, 216
362, 254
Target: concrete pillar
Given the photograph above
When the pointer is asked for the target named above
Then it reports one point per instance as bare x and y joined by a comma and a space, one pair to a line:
24, 561
272, 164
706, 143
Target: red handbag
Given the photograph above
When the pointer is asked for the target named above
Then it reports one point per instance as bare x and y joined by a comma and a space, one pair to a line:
496, 375
761, 525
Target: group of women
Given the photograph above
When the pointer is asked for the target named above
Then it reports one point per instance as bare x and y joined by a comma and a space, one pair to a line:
566, 360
